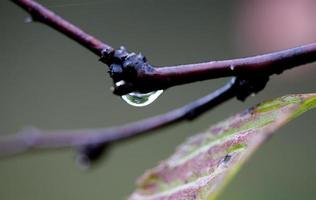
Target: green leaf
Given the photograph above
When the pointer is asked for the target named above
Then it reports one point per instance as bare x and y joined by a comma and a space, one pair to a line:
201, 167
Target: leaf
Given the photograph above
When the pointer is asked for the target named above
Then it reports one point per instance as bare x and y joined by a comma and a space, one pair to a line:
202, 166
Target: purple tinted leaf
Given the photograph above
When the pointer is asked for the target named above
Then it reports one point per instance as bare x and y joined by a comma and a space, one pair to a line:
202, 166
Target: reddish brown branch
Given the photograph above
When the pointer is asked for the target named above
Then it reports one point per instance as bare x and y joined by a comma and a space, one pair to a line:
41, 14
138, 75
265, 65
36, 139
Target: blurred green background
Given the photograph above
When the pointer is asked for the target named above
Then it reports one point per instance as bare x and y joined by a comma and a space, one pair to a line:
50, 82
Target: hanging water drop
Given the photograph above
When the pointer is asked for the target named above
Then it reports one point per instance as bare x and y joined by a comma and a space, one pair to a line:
141, 99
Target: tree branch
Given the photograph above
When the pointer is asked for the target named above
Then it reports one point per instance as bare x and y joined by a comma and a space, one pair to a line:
36, 139
262, 65
138, 75
41, 14
134, 73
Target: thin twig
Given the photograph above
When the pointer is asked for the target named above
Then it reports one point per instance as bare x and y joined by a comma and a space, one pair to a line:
41, 14
29, 139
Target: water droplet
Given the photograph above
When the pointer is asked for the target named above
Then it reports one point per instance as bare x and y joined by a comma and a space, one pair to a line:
253, 94
232, 67
141, 99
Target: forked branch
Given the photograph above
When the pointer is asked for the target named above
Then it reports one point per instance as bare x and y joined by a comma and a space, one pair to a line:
134, 73
138, 75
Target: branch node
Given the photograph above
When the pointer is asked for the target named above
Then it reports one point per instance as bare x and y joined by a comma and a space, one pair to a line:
125, 67
89, 154
248, 85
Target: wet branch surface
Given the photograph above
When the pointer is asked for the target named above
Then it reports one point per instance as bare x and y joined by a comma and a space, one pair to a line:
135, 74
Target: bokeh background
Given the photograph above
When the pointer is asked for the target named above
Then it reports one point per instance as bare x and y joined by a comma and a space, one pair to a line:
50, 82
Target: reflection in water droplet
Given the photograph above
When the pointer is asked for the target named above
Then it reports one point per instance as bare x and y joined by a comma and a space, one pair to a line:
141, 99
